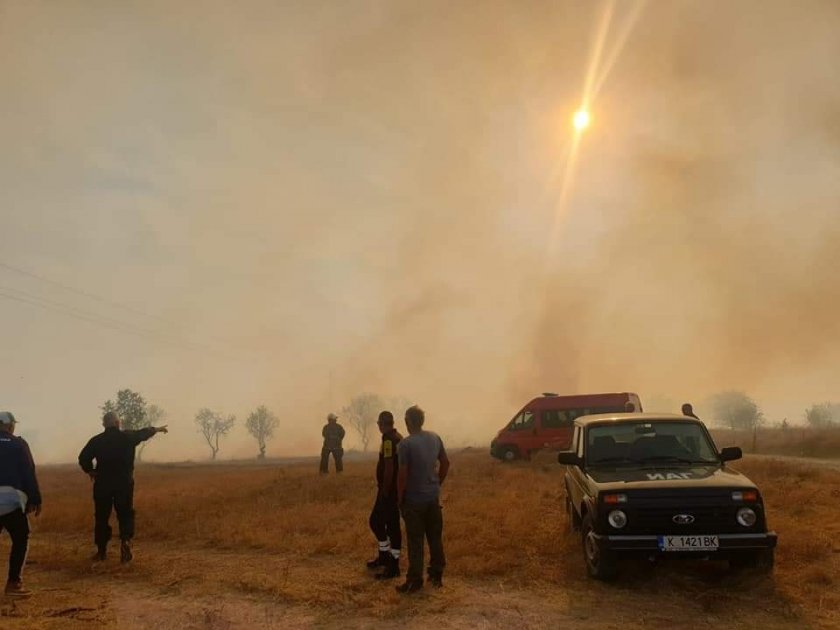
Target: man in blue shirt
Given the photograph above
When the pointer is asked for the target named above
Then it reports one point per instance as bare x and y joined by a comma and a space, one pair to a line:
19, 496
423, 468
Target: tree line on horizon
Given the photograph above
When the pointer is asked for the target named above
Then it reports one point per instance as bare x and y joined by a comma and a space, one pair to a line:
135, 412
737, 411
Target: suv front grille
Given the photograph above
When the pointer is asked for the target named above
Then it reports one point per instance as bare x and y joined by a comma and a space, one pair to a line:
660, 520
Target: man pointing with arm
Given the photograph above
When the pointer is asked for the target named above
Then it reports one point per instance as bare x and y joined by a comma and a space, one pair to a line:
113, 481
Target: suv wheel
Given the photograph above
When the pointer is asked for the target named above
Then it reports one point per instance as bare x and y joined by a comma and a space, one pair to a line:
600, 565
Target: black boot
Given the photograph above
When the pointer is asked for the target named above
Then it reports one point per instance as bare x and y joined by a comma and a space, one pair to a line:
436, 579
126, 554
101, 553
410, 586
392, 569
379, 561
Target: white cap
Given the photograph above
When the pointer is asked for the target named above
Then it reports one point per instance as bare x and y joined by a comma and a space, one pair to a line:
6, 417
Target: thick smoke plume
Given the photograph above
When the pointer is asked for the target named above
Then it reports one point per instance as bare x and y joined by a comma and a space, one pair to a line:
334, 198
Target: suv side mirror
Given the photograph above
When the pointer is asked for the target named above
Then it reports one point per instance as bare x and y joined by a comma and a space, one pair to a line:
568, 458
730, 453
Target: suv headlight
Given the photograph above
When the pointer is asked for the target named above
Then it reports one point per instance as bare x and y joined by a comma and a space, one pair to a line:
617, 519
746, 517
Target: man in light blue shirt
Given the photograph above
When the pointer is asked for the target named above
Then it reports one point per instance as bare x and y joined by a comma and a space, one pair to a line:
423, 468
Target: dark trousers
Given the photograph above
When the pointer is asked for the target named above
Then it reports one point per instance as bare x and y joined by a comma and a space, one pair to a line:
17, 525
337, 453
385, 520
424, 521
119, 496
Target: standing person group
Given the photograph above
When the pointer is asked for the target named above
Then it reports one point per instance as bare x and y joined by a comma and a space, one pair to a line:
113, 481
113, 488
409, 474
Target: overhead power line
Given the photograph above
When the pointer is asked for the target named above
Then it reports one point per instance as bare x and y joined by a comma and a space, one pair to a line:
102, 321
99, 318
82, 292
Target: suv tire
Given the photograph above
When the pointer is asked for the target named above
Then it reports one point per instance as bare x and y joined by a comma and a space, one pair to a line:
600, 565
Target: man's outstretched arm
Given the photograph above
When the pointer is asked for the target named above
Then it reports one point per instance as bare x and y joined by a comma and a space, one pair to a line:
141, 435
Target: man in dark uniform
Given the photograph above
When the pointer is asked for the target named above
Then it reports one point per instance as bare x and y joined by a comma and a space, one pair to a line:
19, 496
385, 516
113, 481
333, 436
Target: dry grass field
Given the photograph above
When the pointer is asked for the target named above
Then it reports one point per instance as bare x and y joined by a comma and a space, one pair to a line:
234, 546
798, 441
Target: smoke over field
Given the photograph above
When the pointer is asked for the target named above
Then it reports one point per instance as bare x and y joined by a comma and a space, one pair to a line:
291, 203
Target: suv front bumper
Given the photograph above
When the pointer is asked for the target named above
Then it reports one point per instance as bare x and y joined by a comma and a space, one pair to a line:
728, 543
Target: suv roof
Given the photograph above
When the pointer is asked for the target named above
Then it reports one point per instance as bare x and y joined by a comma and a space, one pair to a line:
617, 418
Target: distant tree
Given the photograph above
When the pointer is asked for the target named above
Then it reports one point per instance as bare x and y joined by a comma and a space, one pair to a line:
261, 424
397, 406
361, 414
155, 416
821, 415
736, 410
130, 407
213, 426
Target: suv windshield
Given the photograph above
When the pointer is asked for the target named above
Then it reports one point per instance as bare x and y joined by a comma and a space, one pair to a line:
648, 443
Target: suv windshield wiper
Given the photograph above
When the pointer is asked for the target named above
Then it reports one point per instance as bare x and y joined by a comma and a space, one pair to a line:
674, 458
614, 460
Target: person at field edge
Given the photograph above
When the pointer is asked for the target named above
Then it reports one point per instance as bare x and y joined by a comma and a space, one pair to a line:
333, 434
629, 407
19, 496
385, 517
424, 466
688, 410
113, 481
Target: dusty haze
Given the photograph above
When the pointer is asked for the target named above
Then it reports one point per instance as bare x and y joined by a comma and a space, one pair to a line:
298, 201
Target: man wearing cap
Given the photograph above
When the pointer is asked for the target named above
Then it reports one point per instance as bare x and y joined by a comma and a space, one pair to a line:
113, 481
385, 516
19, 496
333, 436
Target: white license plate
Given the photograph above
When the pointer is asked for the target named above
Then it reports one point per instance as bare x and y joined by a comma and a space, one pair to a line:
688, 543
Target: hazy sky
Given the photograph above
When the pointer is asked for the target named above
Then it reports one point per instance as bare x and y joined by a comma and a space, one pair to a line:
298, 201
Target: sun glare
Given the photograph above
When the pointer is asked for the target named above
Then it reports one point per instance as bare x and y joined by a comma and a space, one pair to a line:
581, 120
